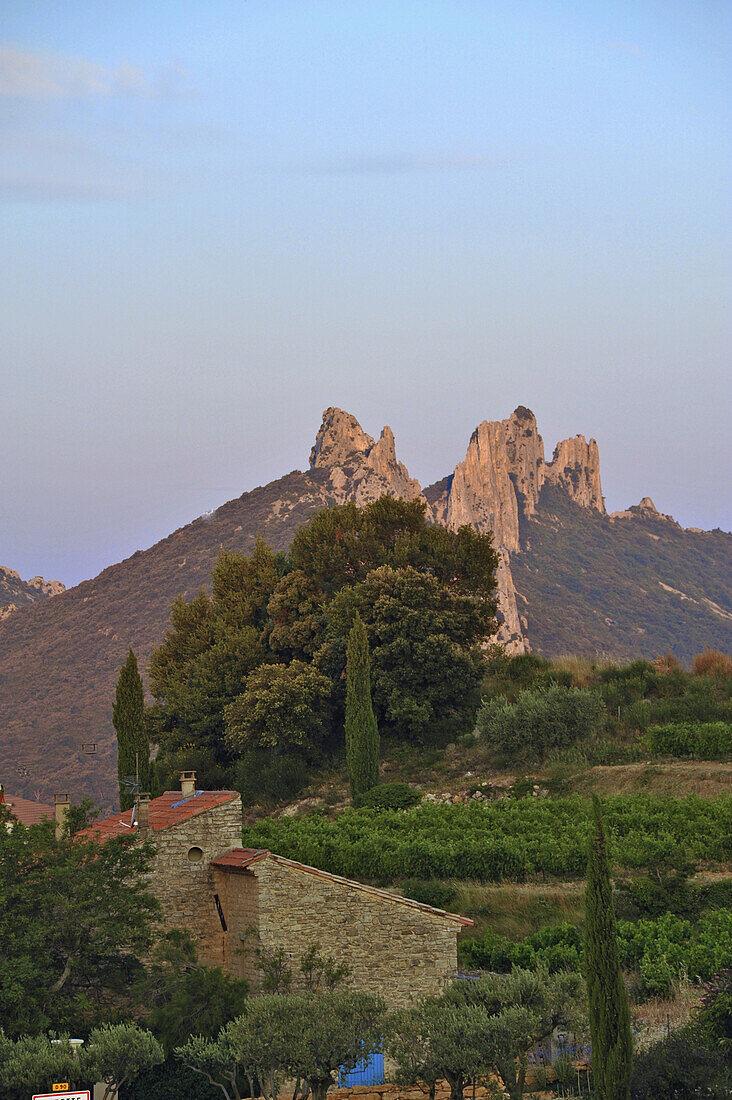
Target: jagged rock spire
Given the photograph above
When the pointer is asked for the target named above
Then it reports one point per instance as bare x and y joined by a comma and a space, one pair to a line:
360, 469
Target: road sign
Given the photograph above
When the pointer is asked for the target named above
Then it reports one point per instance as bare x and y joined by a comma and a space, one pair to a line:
79, 1094
60, 1086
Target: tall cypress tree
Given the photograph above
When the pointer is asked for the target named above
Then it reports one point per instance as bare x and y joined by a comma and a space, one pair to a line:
128, 718
362, 734
612, 1043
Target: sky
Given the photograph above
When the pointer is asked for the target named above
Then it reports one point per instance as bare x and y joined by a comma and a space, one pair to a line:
218, 219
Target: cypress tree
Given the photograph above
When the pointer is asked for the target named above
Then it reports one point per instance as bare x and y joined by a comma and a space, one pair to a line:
362, 734
612, 1043
128, 718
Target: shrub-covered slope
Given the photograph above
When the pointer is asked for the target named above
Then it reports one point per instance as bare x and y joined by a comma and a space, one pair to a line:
621, 588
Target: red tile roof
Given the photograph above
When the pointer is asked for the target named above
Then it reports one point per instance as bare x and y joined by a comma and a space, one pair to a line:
27, 812
169, 809
239, 858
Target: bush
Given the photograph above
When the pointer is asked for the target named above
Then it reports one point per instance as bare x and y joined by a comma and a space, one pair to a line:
440, 895
684, 1066
540, 721
712, 663
265, 777
390, 796
706, 740
170, 1081
658, 951
715, 1014
558, 948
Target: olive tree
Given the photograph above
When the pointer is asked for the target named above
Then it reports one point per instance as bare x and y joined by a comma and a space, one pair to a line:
118, 1053
522, 1009
28, 1064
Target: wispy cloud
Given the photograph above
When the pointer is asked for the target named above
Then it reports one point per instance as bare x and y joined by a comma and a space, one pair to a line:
28, 75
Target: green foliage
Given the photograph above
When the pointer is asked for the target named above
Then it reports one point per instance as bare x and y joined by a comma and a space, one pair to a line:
705, 740
263, 777
183, 998
283, 707
480, 1027
306, 1036
391, 796
612, 1044
668, 948
540, 721
362, 734
440, 895
118, 1053
75, 918
133, 743
498, 841
439, 1040
664, 889
248, 666
659, 951
30, 1063
685, 1065
715, 1014
204, 662
424, 637
557, 948
170, 1080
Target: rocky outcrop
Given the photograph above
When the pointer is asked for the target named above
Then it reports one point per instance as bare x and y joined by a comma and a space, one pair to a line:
360, 468
502, 471
646, 509
16, 593
575, 467
497, 484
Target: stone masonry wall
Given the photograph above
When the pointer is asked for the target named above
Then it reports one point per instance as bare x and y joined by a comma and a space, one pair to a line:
185, 888
391, 949
239, 896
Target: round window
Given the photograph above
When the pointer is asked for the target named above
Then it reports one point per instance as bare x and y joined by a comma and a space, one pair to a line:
195, 854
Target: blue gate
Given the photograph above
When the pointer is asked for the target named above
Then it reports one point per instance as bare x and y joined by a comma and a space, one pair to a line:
365, 1073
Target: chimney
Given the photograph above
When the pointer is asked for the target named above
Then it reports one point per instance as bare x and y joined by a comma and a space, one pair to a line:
142, 813
61, 810
188, 783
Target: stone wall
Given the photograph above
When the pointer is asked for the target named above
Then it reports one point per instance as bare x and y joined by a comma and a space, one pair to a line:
238, 892
184, 887
392, 949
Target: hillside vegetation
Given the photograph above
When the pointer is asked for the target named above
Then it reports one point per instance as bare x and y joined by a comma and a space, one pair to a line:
621, 588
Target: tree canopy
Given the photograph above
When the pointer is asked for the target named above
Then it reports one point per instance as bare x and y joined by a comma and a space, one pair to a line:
75, 919
260, 662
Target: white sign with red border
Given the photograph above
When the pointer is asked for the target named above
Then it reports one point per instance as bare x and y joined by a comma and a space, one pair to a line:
82, 1094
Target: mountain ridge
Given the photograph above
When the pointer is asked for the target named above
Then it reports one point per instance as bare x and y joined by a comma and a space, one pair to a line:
59, 659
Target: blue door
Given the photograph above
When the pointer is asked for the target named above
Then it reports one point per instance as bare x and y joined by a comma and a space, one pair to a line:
365, 1073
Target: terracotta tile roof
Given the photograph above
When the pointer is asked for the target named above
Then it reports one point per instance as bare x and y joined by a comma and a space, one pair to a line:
239, 858
169, 809
27, 812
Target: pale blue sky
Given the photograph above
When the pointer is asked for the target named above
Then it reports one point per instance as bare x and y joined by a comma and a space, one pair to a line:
217, 219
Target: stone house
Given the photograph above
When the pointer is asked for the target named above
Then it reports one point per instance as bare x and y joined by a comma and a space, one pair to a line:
234, 899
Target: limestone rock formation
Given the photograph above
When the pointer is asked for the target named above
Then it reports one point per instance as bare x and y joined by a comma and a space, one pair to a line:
502, 471
575, 467
497, 483
16, 593
646, 509
360, 469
